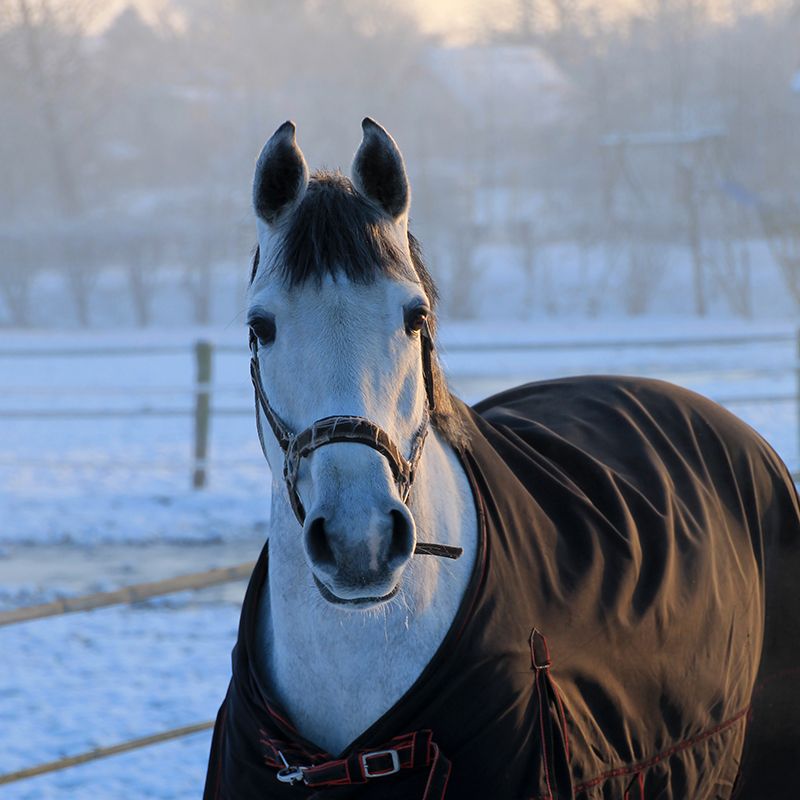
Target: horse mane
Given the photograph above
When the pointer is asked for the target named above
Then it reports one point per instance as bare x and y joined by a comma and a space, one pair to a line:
335, 231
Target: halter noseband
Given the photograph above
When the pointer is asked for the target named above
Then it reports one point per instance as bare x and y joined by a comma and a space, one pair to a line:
360, 430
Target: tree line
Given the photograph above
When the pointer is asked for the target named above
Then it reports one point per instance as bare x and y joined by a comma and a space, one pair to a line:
131, 147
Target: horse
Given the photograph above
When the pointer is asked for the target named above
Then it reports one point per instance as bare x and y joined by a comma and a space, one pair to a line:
570, 590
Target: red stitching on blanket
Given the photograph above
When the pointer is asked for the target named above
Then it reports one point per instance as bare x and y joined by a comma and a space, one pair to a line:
563, 716
272, 711
639, 782
434, 762
686, 743
650, 762
546, 758
219, 754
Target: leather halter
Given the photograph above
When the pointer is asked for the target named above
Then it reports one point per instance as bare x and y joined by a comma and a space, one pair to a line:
355, 429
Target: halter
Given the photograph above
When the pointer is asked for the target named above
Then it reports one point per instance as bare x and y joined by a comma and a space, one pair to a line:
360, 430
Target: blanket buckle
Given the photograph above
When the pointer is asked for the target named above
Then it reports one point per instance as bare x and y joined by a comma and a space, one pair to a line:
289, 774
380, 772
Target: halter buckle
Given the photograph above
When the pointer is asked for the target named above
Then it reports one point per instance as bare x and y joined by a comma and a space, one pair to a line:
380, 773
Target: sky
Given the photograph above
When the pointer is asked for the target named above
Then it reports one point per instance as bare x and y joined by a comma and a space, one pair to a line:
458, 20
436, 16
450, 18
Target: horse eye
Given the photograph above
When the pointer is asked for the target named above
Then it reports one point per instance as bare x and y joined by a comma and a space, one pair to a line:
415, 319
264, 329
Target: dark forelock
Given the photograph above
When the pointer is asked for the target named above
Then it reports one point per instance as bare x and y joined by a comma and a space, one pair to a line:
335, 231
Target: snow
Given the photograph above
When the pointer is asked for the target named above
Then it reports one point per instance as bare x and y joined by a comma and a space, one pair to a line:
77, 682
94, 503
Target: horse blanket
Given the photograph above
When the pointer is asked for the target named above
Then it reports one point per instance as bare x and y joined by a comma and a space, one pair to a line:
638, 563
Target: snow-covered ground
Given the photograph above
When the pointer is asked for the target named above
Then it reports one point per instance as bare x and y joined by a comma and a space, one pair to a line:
77, 682
91, 502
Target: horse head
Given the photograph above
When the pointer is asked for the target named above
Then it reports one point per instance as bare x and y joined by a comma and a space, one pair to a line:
340, 310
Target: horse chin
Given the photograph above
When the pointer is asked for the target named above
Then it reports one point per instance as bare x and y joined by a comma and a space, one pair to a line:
356, 603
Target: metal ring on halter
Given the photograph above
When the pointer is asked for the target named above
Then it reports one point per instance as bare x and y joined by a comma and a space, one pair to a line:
359, 430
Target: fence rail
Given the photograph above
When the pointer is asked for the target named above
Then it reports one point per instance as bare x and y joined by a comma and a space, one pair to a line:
104, 752
129, 594
657, 342
118, 350
620, 344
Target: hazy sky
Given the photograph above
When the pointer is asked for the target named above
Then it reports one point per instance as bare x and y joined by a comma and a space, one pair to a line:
435, 15
458, 19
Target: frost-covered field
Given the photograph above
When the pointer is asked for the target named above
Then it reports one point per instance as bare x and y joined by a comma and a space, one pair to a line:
77, 682
93, 503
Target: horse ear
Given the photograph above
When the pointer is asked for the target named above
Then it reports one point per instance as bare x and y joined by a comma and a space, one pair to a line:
379, 172
281, 176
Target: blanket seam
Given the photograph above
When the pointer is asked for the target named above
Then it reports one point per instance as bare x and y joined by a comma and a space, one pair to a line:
651, 762
677, 748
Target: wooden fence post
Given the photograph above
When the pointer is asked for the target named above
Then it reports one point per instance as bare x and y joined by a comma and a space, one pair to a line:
202, 411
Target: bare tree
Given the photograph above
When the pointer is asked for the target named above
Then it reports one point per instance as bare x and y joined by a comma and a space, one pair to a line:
19, 265
52, 57
143, 262
647, 264
47, 110
782, 229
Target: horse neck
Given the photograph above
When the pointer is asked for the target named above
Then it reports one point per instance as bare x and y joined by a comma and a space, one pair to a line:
345, 654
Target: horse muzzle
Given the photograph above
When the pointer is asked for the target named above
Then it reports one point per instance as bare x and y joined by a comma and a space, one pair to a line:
359, 559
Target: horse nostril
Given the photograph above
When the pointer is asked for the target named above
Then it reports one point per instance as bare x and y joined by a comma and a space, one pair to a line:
317, 544
402, 541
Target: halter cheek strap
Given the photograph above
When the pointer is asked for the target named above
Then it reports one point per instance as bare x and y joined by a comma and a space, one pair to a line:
359, 430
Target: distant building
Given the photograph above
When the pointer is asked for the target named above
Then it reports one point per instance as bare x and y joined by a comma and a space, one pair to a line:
499, 106
502, 86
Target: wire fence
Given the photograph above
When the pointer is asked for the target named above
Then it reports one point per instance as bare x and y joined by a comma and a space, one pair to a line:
202, 399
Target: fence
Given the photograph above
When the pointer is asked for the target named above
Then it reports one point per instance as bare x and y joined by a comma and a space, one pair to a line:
202, 407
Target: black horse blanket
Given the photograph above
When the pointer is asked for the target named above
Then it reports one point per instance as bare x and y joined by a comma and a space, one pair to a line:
638, 564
